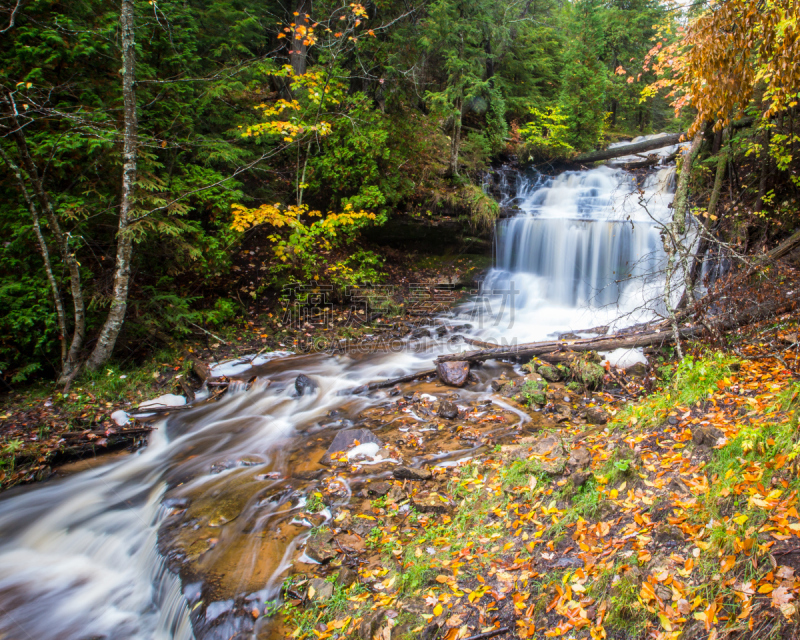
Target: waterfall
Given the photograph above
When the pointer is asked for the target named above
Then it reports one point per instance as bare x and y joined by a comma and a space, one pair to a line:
585, 246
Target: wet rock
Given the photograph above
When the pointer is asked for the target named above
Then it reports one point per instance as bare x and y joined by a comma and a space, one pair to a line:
568, 336
346, 439
346, 577
549, 373
579, 459
706, 436
362, 527
371, 624
431, 502
637, 370
596, 415
453, 373
320, 548
421, 332
441, 330
673, 420
303, 385
447, 410
319, 590
409, 473
378, 488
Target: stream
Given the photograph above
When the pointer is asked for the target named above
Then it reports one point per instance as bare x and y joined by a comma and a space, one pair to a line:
186, 537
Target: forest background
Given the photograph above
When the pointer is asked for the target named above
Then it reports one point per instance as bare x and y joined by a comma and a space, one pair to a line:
146, 144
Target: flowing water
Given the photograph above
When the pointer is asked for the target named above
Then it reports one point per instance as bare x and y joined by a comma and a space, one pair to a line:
185, 537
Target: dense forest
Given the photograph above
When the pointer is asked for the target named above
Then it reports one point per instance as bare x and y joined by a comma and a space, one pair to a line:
142, 141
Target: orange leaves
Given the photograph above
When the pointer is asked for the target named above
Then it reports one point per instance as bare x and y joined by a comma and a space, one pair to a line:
727, 564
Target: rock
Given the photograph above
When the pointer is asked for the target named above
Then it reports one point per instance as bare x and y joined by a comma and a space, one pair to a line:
587, 370
453, 373
668, 535
346, 439
533, 391
706, 436
378, 488
550, 373
568, 336
319, 590
431, 502
596, 415
548, 445
579, 478
637, 370
346, 577
303, 384
396, 494
447, 410
371, 624
421, 332
309, 475
568, 562
320, 548
579, 459
409, 473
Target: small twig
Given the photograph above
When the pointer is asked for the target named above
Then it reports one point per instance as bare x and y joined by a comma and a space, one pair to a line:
208, 332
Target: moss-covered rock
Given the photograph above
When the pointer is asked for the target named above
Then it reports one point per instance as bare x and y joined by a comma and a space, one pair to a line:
587, 370
549, 373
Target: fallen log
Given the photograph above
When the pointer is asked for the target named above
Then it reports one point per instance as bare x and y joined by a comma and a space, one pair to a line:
552, 348
630, 149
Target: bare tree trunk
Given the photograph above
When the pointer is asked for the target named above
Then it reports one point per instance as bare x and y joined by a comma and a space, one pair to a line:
716, 192
48, 267
122, 271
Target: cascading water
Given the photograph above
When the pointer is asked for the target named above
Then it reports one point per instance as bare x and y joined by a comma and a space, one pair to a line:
585, 247
218, 489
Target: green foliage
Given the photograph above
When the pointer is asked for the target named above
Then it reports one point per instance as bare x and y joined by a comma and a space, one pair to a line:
547, 133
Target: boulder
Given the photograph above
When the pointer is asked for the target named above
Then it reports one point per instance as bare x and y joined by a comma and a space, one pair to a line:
596, 415
421, 332
380, 488
319, 590
454, 374
408, 473
346, 439
447, 410
303, 385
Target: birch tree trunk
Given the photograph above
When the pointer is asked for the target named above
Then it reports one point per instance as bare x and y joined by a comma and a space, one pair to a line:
122, 270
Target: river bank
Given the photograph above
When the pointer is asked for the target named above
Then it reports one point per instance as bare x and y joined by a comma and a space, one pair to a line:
675, 518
